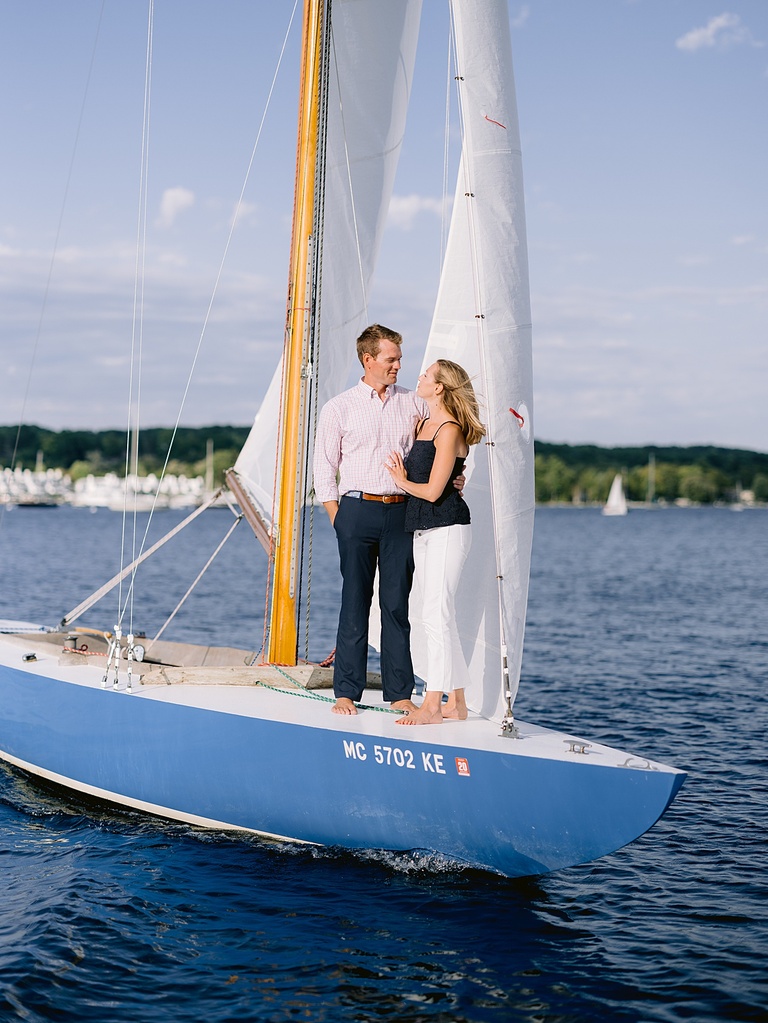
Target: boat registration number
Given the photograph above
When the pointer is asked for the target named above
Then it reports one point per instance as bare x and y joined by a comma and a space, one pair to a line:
394, 756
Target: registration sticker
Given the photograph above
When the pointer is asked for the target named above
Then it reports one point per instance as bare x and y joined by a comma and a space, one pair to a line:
462, 766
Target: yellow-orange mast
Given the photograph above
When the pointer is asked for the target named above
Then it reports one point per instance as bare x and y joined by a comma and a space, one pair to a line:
283, 626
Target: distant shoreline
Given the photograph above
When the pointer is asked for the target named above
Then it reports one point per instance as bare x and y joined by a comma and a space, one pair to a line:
571, 474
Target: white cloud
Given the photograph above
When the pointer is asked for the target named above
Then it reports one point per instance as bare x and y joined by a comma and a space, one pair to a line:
403, 209
696, 259
244, 213
70, 254
174, 202
521, 17
173, 259
742, 239
111, 361
722, 31
582, 258
657, 376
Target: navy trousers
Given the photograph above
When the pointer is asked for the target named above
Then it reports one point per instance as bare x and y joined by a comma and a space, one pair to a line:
370, 533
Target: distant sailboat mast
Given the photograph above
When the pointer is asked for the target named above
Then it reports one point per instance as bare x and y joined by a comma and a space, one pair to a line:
651, 490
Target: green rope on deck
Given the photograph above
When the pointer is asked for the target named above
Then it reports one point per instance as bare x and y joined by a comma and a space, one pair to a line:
308, 694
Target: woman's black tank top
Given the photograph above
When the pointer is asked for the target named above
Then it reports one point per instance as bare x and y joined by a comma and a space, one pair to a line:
450, 508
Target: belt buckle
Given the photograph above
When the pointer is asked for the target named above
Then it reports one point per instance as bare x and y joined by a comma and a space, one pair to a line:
389, 498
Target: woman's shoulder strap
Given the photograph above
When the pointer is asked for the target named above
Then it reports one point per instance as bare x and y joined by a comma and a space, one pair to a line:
452, 421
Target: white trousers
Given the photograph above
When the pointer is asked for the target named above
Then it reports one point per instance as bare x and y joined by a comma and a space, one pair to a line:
439, 555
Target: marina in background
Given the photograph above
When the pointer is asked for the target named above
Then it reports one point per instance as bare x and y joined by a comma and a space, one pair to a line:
83, 468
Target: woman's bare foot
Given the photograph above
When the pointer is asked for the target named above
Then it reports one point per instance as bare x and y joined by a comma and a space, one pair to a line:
344, 706
429, 713
420, 717
456, 706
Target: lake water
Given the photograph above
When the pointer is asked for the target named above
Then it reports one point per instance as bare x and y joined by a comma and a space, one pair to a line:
648, 632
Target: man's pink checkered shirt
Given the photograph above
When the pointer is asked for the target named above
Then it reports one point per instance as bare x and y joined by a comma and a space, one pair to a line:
356, 433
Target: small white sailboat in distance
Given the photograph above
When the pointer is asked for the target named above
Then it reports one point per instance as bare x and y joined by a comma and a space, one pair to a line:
617, 501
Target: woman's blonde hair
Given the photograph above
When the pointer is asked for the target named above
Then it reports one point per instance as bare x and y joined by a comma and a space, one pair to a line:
459, 399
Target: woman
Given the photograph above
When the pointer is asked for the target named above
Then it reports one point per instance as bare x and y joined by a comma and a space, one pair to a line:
439, 519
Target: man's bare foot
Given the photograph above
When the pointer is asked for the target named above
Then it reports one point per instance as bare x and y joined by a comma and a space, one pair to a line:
405, 706
429, 713
456, 706
344, 706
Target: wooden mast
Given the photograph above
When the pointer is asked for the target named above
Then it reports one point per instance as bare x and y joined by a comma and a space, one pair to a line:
283, 626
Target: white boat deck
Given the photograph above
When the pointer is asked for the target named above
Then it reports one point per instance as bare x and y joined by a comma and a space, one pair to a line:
283, 694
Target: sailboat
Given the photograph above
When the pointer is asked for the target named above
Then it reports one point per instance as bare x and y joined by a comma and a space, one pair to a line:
244, 739
617, 502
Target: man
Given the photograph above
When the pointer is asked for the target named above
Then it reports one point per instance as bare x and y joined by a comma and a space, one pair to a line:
357, 431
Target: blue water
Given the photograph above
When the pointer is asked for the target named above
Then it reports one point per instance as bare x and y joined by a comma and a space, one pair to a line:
647, 632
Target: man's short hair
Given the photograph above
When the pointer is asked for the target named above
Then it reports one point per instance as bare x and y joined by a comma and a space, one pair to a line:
369, 342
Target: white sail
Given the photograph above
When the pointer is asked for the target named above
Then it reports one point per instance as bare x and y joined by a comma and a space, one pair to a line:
617, 502
483, 321
371, 70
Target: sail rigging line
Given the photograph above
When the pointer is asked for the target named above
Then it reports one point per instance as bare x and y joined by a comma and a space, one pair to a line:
348, 168
445, 205
55, 250
137, 337
95, 597
200, 574
238, 206
482, 336
232, 227
309, 500
227, 245
275, 479
312, 365
314, 311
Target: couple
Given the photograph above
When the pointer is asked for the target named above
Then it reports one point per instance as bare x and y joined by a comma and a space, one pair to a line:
376, 443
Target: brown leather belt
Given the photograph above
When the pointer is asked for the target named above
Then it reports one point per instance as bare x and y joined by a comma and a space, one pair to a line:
384, 498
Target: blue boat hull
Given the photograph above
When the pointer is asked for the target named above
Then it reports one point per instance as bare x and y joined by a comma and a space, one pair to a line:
334, 783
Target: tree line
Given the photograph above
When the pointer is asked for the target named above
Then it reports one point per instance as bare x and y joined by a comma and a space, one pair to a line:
704, 475
570, 473
84, 452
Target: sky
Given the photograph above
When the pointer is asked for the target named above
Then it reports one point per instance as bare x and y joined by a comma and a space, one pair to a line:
644, 129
